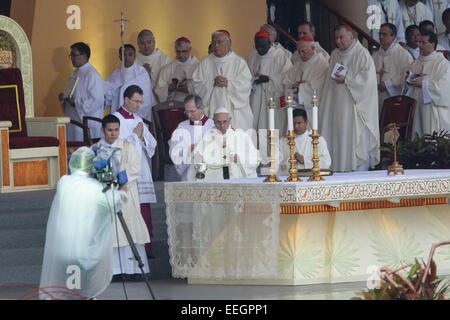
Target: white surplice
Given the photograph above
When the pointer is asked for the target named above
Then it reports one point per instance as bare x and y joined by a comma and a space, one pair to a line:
390, 13
89, 101
391, 66
432, 100
156, 60
134, 75
146, 148
274, 64
182, 71
235, 98
415, 14
185, 135
348, 112
296, 56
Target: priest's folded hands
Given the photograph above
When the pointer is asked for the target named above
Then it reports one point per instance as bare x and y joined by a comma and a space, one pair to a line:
221, 81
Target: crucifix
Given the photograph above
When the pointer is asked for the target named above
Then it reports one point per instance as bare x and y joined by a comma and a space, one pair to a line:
395, 167
122, 21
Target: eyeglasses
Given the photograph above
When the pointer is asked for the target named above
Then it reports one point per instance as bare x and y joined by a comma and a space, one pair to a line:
220, 123
188, 112
137, 101
181, 51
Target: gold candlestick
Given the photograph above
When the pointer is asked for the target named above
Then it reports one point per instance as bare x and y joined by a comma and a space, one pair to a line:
316, 169
293, 170
395, 167
272, 139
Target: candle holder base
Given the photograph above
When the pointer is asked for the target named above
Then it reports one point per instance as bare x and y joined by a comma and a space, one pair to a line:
272, 178
396, 168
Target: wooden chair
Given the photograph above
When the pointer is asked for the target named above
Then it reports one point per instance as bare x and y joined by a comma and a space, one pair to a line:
167, 116
72, 146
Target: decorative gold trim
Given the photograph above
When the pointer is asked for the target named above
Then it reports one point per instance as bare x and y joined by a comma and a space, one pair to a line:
353, 206
18, 106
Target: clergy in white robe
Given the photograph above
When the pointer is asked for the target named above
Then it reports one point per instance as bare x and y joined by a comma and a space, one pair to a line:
412, 34
224, 153
78, 249
151, 58
303, 147
175, 79
414, 12
437, 8
88, 97
308, 74
444, 37
389, 11
223, 79
307, 29
268, 65
132, 129
124, 261
431, 90
273, 36
348, 112
188, 134
391, 64
134, 75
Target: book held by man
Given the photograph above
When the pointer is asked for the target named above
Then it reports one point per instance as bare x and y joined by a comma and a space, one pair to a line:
71, 85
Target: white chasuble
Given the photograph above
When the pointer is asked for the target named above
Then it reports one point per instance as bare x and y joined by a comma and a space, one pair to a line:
273, 64
391, 66
433, 99
182, 71
89, 101
134, 75
235, 98
349, 111
318, 48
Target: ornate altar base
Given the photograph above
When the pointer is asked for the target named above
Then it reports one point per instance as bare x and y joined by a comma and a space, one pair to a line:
327, 232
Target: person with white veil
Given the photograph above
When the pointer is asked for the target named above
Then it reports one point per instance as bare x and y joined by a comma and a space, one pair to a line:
79, 244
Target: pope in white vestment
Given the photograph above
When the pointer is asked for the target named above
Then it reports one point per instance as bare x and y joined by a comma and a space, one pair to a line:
414, 12
348, 111
268, 65
134, 74
391, 63
308, 74
224, 153
88, 97
151, 58
175, 79
223, 79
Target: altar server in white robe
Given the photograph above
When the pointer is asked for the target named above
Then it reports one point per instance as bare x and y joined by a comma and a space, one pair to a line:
348, 116
273, 36
444, 37
134, 74
437, 8
391, 63
124, 261
223, 79
307, 29
78, 249
412, 34
308, 74
151, 58
431, 90
389, 12
132, 129
188, 134
88, 97
175, 78
224, 153
303, 146
268, 65
414, 12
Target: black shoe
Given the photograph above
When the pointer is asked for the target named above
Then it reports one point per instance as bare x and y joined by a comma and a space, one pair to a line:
117, 277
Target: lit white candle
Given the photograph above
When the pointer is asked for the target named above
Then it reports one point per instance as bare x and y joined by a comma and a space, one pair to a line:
271, 119
315, 123
290, 119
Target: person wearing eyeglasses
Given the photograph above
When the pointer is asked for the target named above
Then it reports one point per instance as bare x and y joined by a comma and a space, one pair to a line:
175, 79
133, 74
188, 133
87, 98
133, 130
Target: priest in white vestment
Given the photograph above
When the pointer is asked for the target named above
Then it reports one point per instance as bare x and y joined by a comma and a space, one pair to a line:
175, 79
431, 90
224, 153
308, 74
307, 29
437, 8
348, 111
188, 134
124, 261
132, 129
223, 79
412, 41
303, 147
268, 64
134, 75
88, 97
389, 11
151, 58
273, 36
391, 64
414, 12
